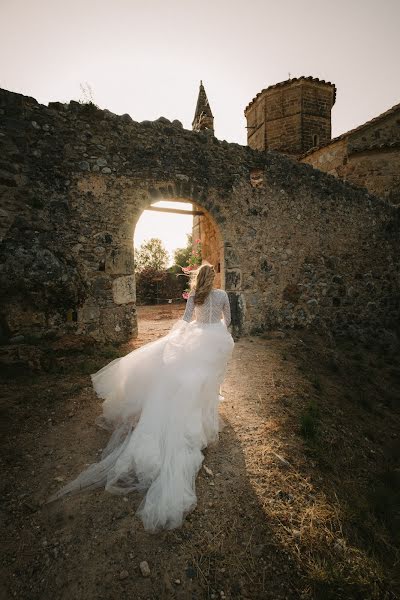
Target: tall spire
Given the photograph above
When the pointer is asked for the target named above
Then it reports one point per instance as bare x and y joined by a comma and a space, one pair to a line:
203, 117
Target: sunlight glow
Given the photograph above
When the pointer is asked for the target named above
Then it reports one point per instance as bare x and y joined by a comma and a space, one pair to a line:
171, 229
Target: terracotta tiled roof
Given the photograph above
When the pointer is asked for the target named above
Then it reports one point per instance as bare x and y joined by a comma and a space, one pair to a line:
382, 146
293, 80
383, 115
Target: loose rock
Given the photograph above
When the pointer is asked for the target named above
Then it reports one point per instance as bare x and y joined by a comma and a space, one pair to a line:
144, 568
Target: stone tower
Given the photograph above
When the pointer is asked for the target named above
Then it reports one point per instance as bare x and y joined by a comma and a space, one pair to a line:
203, 118
292, 116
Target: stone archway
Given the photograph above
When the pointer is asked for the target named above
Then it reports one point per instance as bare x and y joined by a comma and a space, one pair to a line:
300, 248
108, 313
204, 229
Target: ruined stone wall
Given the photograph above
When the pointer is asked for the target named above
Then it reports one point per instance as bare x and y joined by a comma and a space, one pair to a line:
326, 267
300, 248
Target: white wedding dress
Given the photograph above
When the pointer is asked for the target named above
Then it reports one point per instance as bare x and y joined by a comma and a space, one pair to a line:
162, 400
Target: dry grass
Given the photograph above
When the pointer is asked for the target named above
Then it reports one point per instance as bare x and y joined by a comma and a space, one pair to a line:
310, 461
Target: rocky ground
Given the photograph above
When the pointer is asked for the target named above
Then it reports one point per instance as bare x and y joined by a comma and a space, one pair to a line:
299, 499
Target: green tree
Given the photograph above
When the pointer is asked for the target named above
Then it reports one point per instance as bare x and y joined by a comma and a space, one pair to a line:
151, 254
182, 255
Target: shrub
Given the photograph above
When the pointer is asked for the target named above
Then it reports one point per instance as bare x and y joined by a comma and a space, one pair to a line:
309, 421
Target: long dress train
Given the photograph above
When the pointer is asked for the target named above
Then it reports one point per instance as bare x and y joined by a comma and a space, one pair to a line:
161, 401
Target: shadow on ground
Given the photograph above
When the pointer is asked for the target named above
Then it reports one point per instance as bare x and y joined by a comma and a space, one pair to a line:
301, 502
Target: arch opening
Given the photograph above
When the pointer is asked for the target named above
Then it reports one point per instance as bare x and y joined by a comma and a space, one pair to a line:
160, 288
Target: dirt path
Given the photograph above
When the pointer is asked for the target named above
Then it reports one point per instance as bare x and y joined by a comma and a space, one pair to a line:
275, 516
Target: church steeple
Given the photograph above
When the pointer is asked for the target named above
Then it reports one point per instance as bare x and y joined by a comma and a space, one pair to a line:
203, 117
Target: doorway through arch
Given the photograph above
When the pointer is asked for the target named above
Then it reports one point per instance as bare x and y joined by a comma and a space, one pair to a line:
157, 220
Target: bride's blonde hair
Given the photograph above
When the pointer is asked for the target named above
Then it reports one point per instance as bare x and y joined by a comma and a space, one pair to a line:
202, 282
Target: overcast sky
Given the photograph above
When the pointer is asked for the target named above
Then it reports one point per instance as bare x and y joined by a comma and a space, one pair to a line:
146, 57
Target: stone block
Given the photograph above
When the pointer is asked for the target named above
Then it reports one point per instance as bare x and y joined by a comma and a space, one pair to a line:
22, 318
233, 279
101, 287
88, 313
124, 290
118, 324
120, 262
231, 257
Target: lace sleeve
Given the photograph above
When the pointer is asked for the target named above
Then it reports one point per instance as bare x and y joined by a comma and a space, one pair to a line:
226, 310
188, 314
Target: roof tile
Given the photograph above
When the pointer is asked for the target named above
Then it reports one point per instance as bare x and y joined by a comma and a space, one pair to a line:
289, 81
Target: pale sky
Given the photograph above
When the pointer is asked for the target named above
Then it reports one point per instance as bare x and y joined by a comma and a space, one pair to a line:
170, 228
146, 58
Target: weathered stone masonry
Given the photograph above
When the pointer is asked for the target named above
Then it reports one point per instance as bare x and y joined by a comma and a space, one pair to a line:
291, 116
300, 248
294, 117
368, 156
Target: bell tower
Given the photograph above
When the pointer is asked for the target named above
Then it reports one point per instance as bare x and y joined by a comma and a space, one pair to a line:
203, 117
292, 116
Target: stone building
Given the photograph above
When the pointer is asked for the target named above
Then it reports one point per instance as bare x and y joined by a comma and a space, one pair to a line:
368, 156
294, 117
297, 247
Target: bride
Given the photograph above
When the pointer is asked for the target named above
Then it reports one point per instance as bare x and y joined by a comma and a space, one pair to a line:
161, 401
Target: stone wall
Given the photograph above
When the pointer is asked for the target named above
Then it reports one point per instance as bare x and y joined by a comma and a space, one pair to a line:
256, 136
368, 156
378, 170
212, 246
330, 159
300, 248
